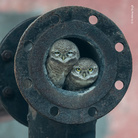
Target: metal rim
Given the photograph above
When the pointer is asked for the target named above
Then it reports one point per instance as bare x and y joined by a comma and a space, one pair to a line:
73, 108
10, 95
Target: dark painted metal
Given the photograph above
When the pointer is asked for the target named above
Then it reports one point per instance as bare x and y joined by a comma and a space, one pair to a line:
73, 23
42, 127
7, 55
60, 113
9, 93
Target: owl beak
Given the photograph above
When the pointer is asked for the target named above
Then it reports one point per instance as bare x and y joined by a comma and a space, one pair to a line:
84, 74
63, 58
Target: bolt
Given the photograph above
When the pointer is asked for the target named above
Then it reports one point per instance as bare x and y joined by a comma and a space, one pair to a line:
8, 92
7, 55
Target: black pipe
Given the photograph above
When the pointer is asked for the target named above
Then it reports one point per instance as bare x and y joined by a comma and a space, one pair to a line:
42, 127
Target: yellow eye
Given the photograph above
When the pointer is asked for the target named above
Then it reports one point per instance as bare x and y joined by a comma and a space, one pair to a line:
78, 69
90, 70
57, 53
70, 53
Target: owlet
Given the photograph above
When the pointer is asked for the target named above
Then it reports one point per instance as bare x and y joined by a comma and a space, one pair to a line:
82, 75
62, 56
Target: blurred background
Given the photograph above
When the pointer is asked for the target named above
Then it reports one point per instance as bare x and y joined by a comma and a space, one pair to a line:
122, 122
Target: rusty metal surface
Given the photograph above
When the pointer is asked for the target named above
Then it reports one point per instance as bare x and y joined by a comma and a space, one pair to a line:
9, 92
73, 23
42, 127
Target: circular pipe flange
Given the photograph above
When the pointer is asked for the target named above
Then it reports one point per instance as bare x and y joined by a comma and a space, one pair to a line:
66, 106
10, 95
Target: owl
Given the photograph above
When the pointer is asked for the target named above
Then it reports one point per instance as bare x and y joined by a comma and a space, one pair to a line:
62, 56
82, 75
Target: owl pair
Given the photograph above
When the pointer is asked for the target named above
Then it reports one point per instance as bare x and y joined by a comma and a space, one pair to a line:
67, 70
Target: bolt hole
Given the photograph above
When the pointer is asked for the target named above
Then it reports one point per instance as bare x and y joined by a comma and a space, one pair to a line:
92, 111
27, 83
28, 46
119, 85
93, 19
54, 111
119, 47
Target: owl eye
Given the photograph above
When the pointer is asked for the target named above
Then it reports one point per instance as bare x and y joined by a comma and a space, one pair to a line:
78, 69
57, 53
70, 53
91, 69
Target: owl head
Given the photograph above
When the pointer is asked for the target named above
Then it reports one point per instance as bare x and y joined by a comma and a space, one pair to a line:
64, 51
85, 69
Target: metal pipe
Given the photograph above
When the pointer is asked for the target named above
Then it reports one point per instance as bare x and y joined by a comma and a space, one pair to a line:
60, 113
42, 127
